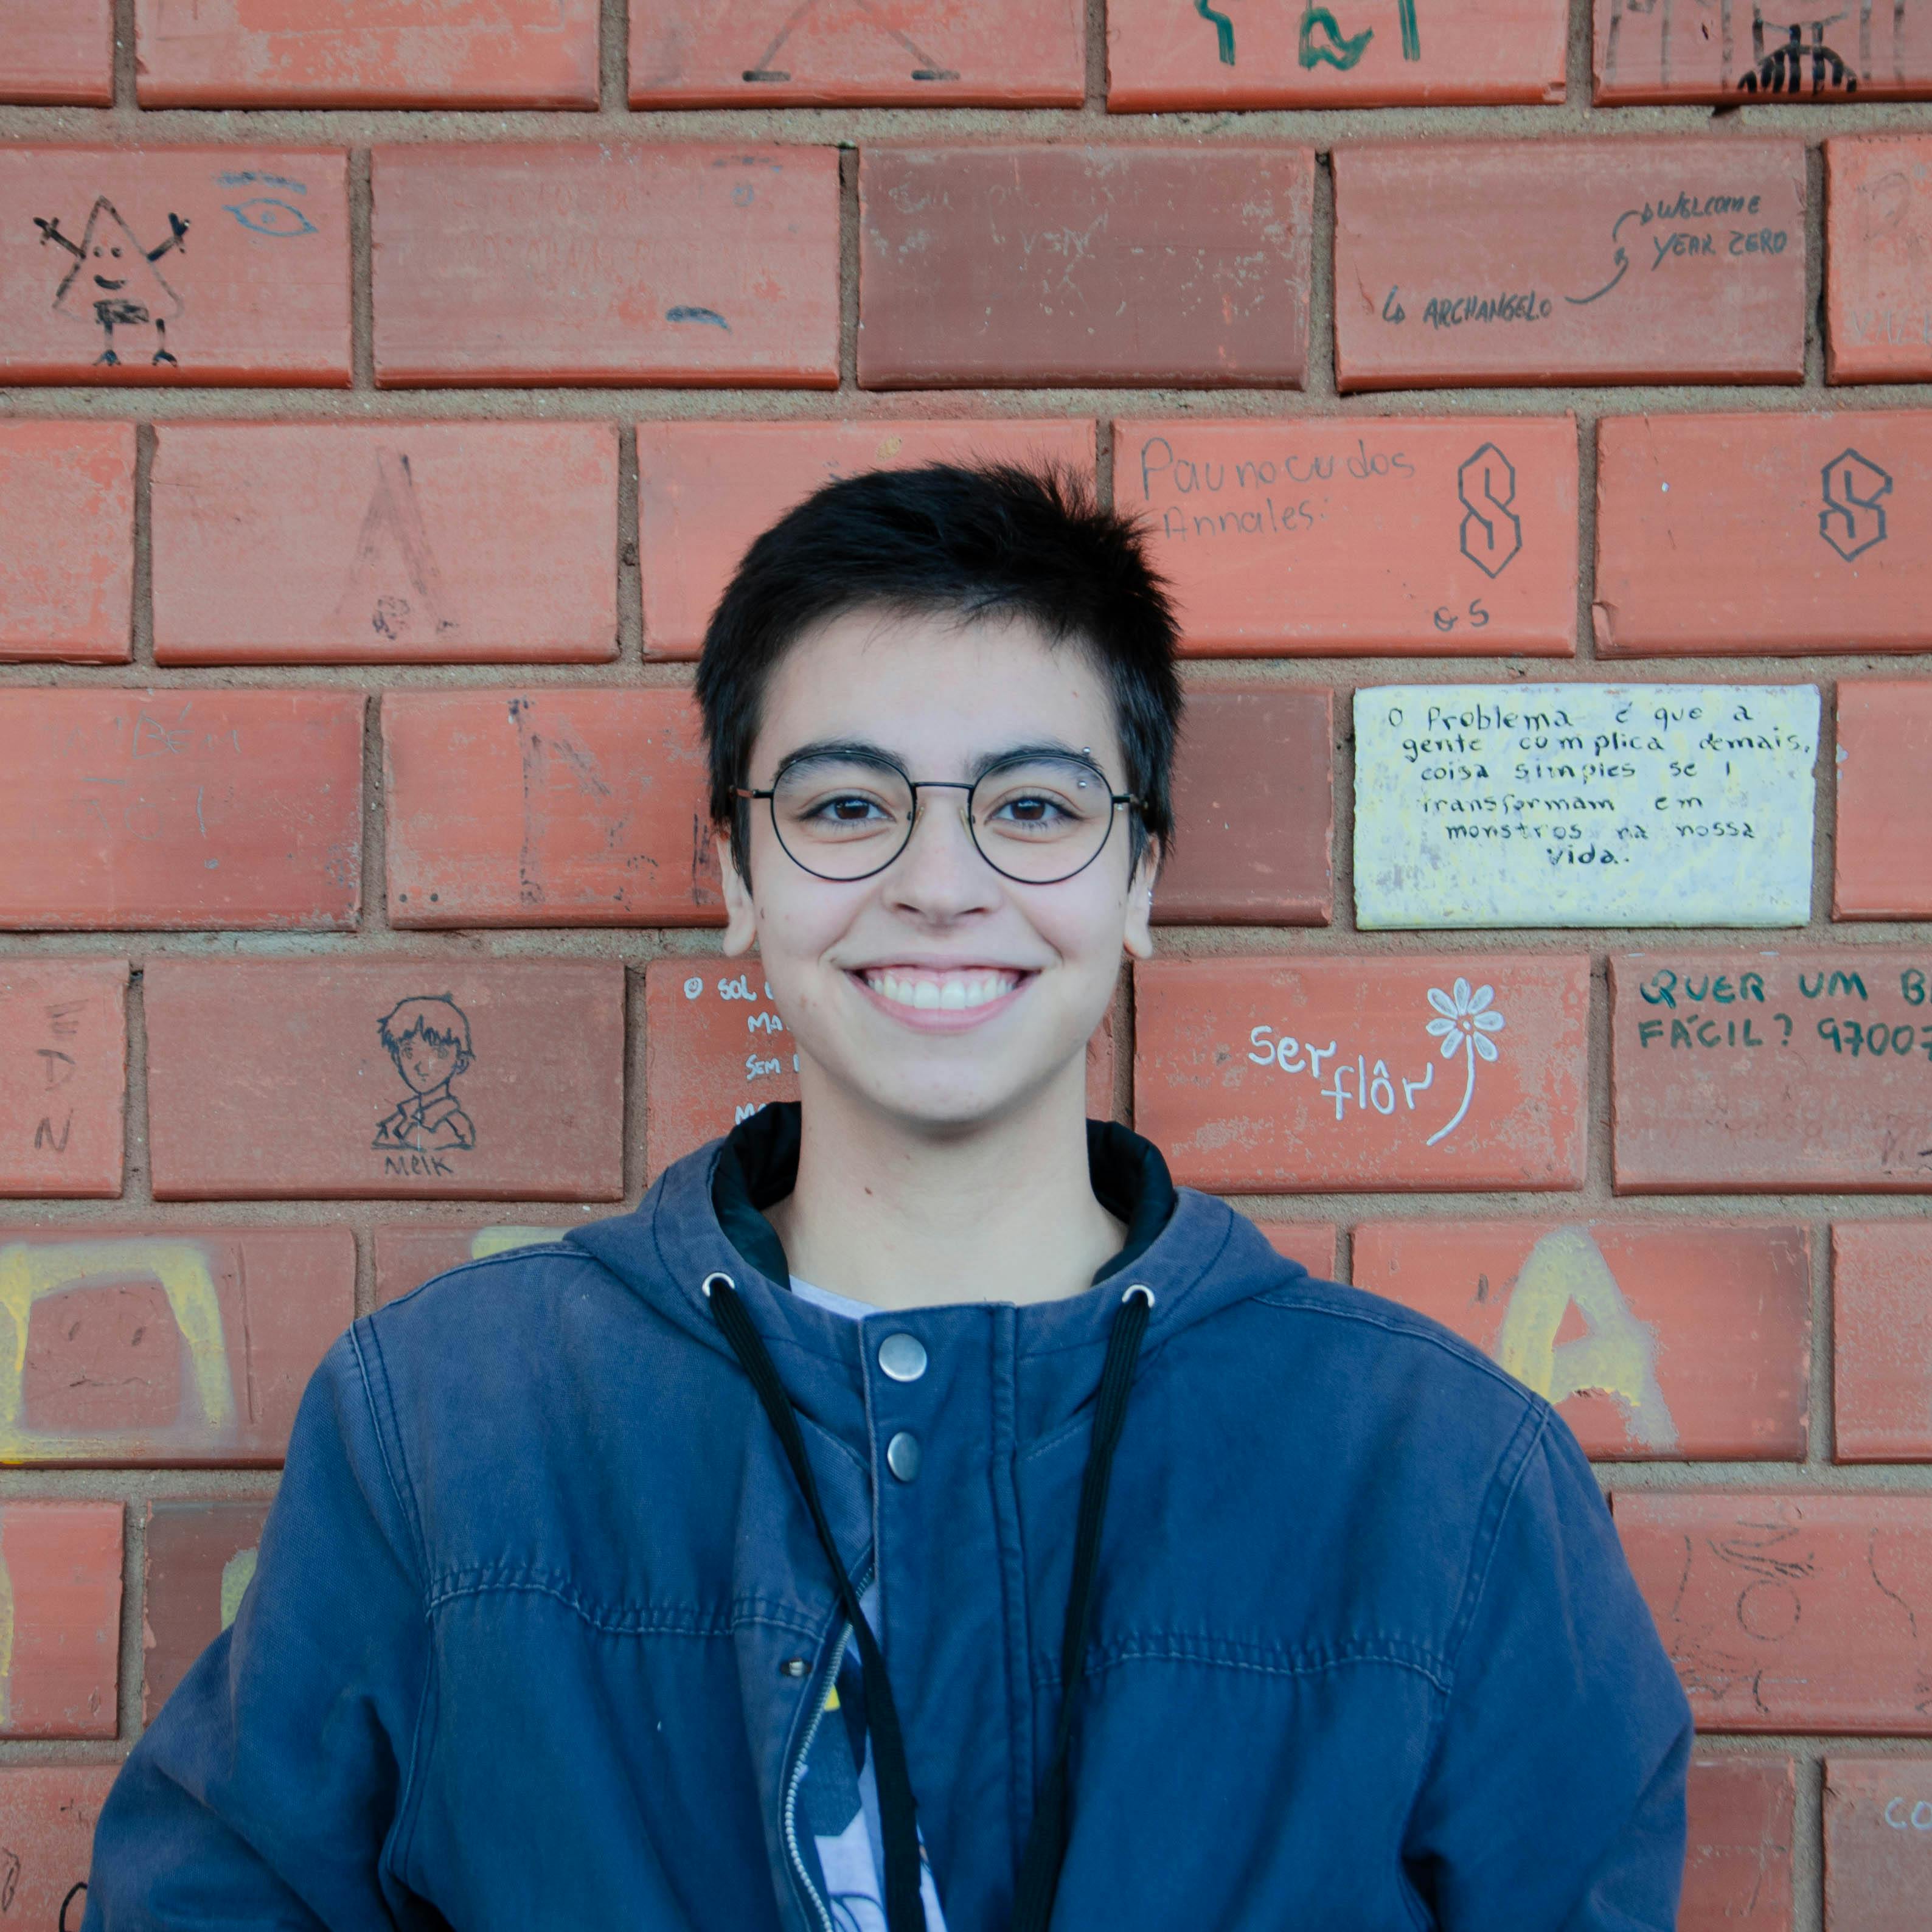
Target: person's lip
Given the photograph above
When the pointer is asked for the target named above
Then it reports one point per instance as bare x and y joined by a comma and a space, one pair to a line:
102, 281
936, 997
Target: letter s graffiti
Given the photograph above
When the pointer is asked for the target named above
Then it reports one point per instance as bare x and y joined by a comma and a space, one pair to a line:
1492, 531
1853, 519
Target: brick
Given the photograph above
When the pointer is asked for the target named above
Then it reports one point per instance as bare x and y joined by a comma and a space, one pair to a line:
1878, 1843
63, 1075
168, 809
407, 1255
918, 53
269, 1078
1656, 1338
1788, 1611
705, 490
1312, 1243
67, 539
1309, 536
366, 53
1254, 807
175, 1347
57, 51
1378, 55
51, 1810
539, 262
715, 1051
547, 807
1646, 53
385, 543
1013, 265
1574, 260
200, 1556
60, 1639
237, 256
1882, 1341
1764, 532
1885, 750
1709, 1091
1238, 1101
1878, 257
1737, 1865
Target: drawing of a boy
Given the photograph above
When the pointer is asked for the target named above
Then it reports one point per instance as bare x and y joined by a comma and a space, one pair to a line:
428, 1038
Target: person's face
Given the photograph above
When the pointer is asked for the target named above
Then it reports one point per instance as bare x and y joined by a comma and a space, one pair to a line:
426, 1064
938, 992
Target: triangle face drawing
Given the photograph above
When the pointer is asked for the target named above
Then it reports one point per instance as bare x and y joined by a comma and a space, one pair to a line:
113, 267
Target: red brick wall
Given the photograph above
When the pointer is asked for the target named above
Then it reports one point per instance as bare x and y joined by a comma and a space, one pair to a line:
346, 657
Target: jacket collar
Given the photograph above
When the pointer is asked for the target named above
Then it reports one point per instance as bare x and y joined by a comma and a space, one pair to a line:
758, 1164
1195, 1252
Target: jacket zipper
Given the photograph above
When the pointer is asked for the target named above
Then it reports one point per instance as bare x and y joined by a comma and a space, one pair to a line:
821, 1688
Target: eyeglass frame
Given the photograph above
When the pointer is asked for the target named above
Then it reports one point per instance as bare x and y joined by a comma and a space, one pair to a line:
1132, 800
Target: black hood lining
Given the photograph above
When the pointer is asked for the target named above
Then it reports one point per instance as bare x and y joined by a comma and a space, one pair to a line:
758, 1165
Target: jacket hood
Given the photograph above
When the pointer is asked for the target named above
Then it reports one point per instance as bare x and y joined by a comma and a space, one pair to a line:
702, 1215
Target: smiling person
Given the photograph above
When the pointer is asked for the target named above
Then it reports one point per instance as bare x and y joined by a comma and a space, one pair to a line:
918, 1512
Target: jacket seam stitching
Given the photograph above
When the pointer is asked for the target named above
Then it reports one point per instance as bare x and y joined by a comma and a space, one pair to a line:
401, 1488
1469, 1358
557, 1248
408, 1804
642, 1623
1423, 1664
1489, 1532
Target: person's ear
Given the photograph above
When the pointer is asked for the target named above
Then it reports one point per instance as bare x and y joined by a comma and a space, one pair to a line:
462, 1063
1139, 938
741, 920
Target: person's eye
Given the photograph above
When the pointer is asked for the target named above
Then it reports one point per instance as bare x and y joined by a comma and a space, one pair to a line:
848, 809
1032, 809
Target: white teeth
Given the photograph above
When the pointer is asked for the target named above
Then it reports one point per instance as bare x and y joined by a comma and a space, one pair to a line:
955, 992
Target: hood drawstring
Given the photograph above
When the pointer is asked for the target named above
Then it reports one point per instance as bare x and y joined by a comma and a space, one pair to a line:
1046, 1840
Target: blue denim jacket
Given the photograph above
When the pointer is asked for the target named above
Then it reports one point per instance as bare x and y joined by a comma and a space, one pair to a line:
539, 1624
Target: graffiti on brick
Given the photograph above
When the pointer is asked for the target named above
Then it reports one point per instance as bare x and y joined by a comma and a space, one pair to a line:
1689, 227
1584, 804
394, 585
1462, 1024
1492, 531
34, 1272
1618, 1355
1852, 519
1772, 51
114, 282
427, 1037
1321, 39
270, 214
925, 67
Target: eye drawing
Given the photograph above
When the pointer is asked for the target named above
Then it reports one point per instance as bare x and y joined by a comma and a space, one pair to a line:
265, 215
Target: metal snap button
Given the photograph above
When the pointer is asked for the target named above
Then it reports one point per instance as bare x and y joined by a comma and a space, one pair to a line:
902, 1455
795, 1666
903, 1356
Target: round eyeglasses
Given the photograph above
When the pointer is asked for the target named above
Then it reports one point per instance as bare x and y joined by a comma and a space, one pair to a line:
1036, 818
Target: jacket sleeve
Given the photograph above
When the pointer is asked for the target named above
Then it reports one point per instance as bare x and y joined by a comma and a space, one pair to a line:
267, 1790
1554, 1801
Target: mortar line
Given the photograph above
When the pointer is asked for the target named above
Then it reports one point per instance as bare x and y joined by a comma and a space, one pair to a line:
362, 271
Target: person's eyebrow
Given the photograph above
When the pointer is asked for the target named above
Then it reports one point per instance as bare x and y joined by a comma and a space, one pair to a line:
863, 748
839, 747
1043, 747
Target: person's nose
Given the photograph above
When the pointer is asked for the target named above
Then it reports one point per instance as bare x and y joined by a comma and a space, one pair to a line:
941, 874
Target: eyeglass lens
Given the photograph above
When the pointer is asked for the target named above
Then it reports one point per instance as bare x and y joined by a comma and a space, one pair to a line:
1037, 820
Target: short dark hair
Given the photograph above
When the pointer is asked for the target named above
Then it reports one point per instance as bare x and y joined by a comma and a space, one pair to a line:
978, 540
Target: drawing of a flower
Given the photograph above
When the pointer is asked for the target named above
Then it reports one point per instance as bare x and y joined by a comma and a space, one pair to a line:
1465, 1019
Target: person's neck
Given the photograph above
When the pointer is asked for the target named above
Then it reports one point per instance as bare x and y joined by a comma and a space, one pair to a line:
1005, 1213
